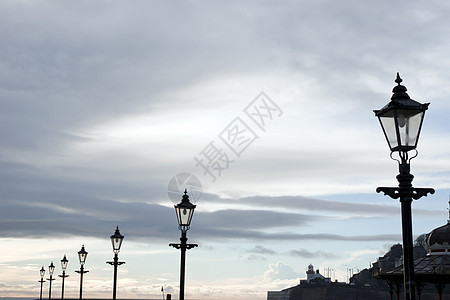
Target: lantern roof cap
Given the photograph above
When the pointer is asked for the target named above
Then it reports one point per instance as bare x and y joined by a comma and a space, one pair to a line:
185, 203
399, 91
401, 100
117, 234
401, 97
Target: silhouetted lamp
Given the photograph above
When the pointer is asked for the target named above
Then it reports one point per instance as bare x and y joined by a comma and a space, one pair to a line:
184, 211
42, 273
116, 241
401, 120
64, 263
82, 255
51, 269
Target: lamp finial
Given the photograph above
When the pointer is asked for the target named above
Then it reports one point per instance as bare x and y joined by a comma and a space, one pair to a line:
399, 91
398, 80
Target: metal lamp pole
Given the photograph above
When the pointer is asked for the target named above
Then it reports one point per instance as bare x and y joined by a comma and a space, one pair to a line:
42, 273
82, 254
401, 120
116, 240
51, 269
64, 263
185, 211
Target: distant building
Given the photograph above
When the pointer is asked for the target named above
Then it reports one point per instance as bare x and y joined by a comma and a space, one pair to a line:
431, 270
309, 273
384, 278
314, 277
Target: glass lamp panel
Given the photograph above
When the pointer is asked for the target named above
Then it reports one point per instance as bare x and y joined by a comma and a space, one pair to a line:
116, 240
116, 243
387, 122
184, 215
42, 272
64, 263
409, 123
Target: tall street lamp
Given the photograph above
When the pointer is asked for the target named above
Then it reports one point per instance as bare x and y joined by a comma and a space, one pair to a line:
42, 273
401, 120
51, 269
64, 263
184, 211
82, 254
116, 240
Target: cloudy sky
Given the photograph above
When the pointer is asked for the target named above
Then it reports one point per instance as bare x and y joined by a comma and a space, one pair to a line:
267, 104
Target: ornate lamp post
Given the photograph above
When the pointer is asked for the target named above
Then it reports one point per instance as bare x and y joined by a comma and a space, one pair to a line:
82, 254
51, 269
401, 120
116, 240
185, 211
64, 263
42, 273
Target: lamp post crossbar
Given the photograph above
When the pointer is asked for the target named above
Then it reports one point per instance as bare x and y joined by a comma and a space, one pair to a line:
396, 192
115, 263
63, 276
406, 193
81, 272
183, 246
50, 287
179, 246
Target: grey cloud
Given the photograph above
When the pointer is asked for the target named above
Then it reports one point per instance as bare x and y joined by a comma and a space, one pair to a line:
254, 257
255, 235
319, 205
259, 249
310, 254
314, 204
44, 205
49, 206
58, 80
235, 219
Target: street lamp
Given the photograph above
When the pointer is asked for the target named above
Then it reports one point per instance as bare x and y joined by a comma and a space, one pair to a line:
42, 273
51, 269
64, 263
401, 120
184, 211
82, 254
116, 240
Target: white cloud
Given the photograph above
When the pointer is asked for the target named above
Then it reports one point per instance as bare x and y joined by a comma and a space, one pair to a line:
280, 271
